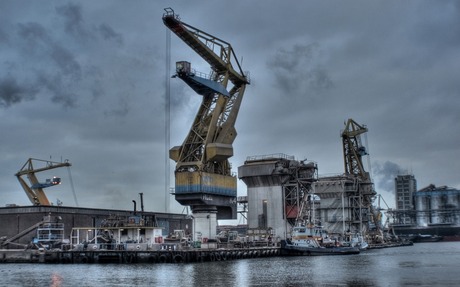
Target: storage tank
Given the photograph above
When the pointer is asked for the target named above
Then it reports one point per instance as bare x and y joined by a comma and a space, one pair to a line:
422, 209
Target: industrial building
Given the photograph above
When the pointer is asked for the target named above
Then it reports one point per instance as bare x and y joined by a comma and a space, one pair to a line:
20, 225
405, 187
433, 210
278, 191
437, 205
340, 207
283, 192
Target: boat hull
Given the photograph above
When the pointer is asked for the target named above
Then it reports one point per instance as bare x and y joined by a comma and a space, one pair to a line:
296, 250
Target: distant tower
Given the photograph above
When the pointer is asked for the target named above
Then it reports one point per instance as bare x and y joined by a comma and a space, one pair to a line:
405, 187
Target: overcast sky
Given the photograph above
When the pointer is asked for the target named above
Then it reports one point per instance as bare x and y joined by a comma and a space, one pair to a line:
85, 81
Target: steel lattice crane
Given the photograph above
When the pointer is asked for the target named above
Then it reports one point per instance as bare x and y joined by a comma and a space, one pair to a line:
35, 191
361, 200
203, 177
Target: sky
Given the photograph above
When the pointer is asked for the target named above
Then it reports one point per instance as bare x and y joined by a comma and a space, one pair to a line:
85, 81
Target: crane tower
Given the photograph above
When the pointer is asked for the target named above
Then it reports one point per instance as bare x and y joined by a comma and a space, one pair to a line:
203, 176
360, 201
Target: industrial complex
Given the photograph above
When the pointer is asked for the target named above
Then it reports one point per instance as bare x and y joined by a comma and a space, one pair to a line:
430, 211
283, 194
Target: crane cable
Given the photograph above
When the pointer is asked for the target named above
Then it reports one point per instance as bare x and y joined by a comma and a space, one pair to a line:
73, 188
167, 118
368, 156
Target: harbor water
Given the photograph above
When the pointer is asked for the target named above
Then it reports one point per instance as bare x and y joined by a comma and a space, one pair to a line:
423, 264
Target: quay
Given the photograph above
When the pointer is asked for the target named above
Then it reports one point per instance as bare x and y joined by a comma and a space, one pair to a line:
130, 257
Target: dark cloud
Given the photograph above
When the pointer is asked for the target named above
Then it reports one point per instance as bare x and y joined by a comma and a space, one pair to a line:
57, 86
108, 33
300, 68
55, 58
3, 36
66, 62
391, 67
11, 92
41, 43
33, 32
73, 18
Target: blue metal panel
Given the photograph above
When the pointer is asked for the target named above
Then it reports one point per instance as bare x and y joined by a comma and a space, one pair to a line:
196, 188
203, 86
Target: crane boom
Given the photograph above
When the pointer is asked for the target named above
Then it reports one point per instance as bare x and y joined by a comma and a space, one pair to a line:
203, 173
35, 191
353, 150
204, 44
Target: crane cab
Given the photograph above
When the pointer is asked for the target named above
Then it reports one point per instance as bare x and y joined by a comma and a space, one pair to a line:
49, 182
55, 180
183, 67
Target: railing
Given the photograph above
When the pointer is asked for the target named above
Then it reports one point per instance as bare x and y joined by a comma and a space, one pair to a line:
270, 156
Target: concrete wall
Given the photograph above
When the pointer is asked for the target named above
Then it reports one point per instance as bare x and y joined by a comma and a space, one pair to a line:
265, 209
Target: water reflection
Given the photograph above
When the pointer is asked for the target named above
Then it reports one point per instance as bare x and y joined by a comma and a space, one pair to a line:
424, 264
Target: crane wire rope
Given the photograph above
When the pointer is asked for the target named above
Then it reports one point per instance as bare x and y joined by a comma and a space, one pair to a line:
368, 156
167, 117
72, 187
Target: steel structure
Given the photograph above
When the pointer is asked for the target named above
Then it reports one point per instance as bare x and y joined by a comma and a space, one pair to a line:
353, 149
203, 176
35, 191
362, 192
299, 197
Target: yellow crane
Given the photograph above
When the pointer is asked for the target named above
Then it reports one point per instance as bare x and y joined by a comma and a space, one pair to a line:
34, 191
203, 176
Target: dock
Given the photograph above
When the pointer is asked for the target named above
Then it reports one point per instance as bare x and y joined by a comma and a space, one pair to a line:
131, 257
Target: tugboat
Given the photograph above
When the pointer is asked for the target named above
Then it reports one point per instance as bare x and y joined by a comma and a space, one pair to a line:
355, 240
427, 238
303, 243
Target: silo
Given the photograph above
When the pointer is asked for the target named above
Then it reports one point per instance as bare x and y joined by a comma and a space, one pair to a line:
435, 206
421, 208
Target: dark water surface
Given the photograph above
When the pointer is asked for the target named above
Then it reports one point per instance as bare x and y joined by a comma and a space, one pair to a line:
424, 264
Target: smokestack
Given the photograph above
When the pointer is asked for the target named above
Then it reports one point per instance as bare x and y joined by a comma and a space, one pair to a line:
142, 201
134, 207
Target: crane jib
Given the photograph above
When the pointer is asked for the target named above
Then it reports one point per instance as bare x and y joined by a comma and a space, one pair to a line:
175, 25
